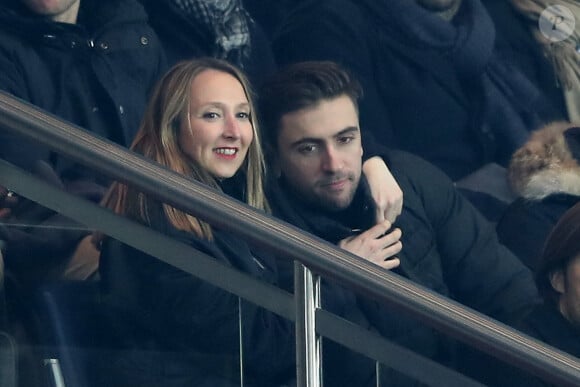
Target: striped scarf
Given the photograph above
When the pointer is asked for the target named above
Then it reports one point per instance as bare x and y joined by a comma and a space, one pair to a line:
228, 23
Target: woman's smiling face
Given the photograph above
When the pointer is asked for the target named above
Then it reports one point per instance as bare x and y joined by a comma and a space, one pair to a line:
217, 131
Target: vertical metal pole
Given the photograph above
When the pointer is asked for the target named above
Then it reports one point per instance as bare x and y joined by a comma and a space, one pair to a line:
308, 344
378, 373
241, 338
54, 373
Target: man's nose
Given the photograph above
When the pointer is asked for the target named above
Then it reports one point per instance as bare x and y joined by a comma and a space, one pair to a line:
331, 160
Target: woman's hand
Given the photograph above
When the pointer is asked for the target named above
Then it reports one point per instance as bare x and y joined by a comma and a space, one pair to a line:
384, 189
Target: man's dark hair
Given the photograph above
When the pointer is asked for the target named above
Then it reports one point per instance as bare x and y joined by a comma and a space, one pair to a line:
298, 86
562, 246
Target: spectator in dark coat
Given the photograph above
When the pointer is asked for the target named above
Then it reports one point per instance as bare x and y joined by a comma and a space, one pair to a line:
312, 131
91, 63
557, 321
545, 174
433, 84
549, 58
199, 123
220, 29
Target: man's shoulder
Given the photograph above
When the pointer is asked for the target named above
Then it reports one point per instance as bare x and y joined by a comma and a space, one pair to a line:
407, 164
416, 175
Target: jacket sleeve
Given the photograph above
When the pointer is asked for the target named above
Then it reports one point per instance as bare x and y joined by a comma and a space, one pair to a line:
479, 271
336, 31
194, 315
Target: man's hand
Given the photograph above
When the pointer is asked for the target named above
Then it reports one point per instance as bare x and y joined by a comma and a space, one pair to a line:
385, 191
376, 245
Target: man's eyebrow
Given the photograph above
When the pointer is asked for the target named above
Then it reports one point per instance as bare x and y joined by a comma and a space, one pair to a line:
317, 140
348, 130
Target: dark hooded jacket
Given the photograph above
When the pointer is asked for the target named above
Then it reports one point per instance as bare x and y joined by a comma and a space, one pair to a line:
96, 74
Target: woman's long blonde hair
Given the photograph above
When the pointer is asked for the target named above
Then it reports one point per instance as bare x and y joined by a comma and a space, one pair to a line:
158, 139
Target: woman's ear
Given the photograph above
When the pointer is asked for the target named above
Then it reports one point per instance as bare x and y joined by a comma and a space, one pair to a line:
557, 280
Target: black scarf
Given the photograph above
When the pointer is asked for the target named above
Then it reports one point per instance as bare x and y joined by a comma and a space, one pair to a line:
330, 226
508, 97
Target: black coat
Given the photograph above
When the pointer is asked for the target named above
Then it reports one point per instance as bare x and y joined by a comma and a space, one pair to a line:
96, 74
183, 39
526, 224
447, 245
413, 98
517, 44
544, 323
181, 331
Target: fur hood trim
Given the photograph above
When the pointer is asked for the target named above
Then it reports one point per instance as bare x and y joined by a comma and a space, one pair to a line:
548, 163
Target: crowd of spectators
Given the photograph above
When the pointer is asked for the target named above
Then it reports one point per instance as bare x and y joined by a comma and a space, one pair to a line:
467, 110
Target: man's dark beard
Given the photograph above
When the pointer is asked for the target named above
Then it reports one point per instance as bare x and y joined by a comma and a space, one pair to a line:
324, 204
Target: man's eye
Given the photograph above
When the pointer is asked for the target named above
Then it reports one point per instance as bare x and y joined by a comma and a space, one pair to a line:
345, 140
306, 149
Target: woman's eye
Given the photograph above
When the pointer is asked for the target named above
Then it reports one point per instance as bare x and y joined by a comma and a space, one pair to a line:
210, 115
243, 115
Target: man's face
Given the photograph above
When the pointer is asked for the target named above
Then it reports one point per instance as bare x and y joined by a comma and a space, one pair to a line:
320, 153
57, 10
567, 283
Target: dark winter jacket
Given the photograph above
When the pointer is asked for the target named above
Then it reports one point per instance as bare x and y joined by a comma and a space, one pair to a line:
516, 43
544, 323
429, 100
526, 224
181, 331
183, 39
96, 74
447, 246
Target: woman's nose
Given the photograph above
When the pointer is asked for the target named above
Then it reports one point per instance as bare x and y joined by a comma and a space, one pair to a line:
231, 127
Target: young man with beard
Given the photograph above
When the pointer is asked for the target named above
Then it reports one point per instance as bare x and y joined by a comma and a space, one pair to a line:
311, 126
434, 83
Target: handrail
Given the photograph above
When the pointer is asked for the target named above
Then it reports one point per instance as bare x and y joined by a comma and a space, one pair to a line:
435, 310
230, 279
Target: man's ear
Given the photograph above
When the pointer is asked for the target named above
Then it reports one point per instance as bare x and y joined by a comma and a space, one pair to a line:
557, 280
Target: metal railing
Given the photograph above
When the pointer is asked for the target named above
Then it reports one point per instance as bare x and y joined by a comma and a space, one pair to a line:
322, 258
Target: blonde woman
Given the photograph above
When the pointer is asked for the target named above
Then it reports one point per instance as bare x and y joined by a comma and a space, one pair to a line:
180, 330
